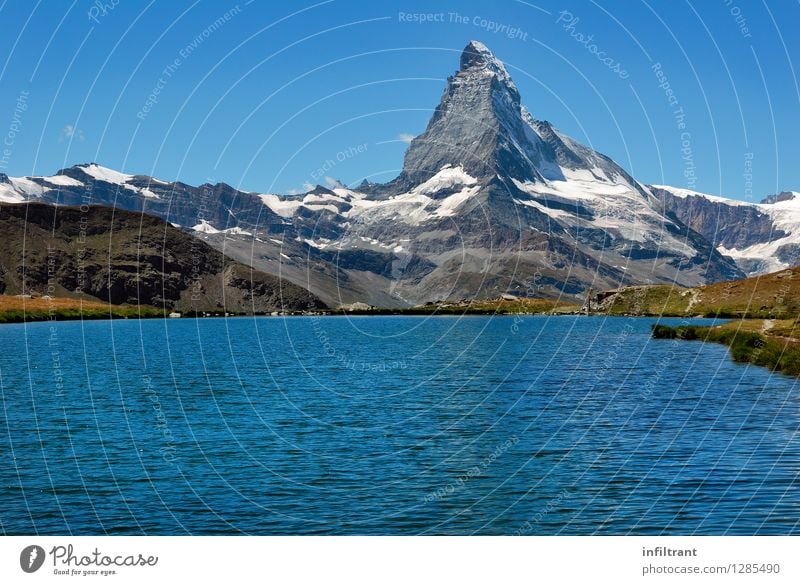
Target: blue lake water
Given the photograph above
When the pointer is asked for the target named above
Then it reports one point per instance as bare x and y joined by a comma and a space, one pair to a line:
390, 425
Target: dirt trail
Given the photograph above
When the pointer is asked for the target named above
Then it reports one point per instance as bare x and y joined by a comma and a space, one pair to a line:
694, 300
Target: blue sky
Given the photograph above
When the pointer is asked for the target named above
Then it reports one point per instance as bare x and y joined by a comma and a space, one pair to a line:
279, 94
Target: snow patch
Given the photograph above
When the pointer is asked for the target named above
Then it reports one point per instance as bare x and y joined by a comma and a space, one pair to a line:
144, 192
10, 195
105, 174
282, 207
63, 181
205, 228
237, 231
25, 186
449, 205
447, 178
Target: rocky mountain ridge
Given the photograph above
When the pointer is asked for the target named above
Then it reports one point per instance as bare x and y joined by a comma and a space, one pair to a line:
489, 201
760, 237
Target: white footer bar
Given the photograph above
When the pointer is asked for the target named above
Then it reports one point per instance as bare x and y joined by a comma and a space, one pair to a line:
401, 560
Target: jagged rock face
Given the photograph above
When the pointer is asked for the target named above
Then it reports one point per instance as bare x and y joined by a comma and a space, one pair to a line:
478, 126
761, 238
490, 200
727, 225
780, 197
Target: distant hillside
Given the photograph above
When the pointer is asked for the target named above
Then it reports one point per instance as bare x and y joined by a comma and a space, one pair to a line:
770, 296
125, 257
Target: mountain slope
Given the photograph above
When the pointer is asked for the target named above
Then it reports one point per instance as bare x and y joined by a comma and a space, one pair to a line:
761, 238
123, 257
767, 296
489, 201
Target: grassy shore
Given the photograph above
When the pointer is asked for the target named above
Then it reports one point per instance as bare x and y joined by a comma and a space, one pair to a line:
18, 309
768, 343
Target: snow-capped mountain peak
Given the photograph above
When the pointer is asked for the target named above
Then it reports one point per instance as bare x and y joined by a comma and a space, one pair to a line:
481, 126
477, 56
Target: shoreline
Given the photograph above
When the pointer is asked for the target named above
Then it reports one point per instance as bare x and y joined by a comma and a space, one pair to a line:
759, 342
36, 309
92, 317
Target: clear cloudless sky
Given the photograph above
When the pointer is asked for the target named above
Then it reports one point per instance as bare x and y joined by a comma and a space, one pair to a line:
270, 96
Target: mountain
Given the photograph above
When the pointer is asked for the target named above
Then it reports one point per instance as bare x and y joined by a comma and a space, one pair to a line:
124, 257
489, 201
761, 237
481, 127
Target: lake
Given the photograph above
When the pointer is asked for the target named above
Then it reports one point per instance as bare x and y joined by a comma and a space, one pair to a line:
390, 425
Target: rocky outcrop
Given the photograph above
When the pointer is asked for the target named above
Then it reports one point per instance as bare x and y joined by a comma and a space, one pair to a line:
761, 237
723, 224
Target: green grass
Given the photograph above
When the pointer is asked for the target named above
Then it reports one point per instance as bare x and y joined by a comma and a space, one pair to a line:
770, 296
19, 316
650, 300
18, 310
777, 353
